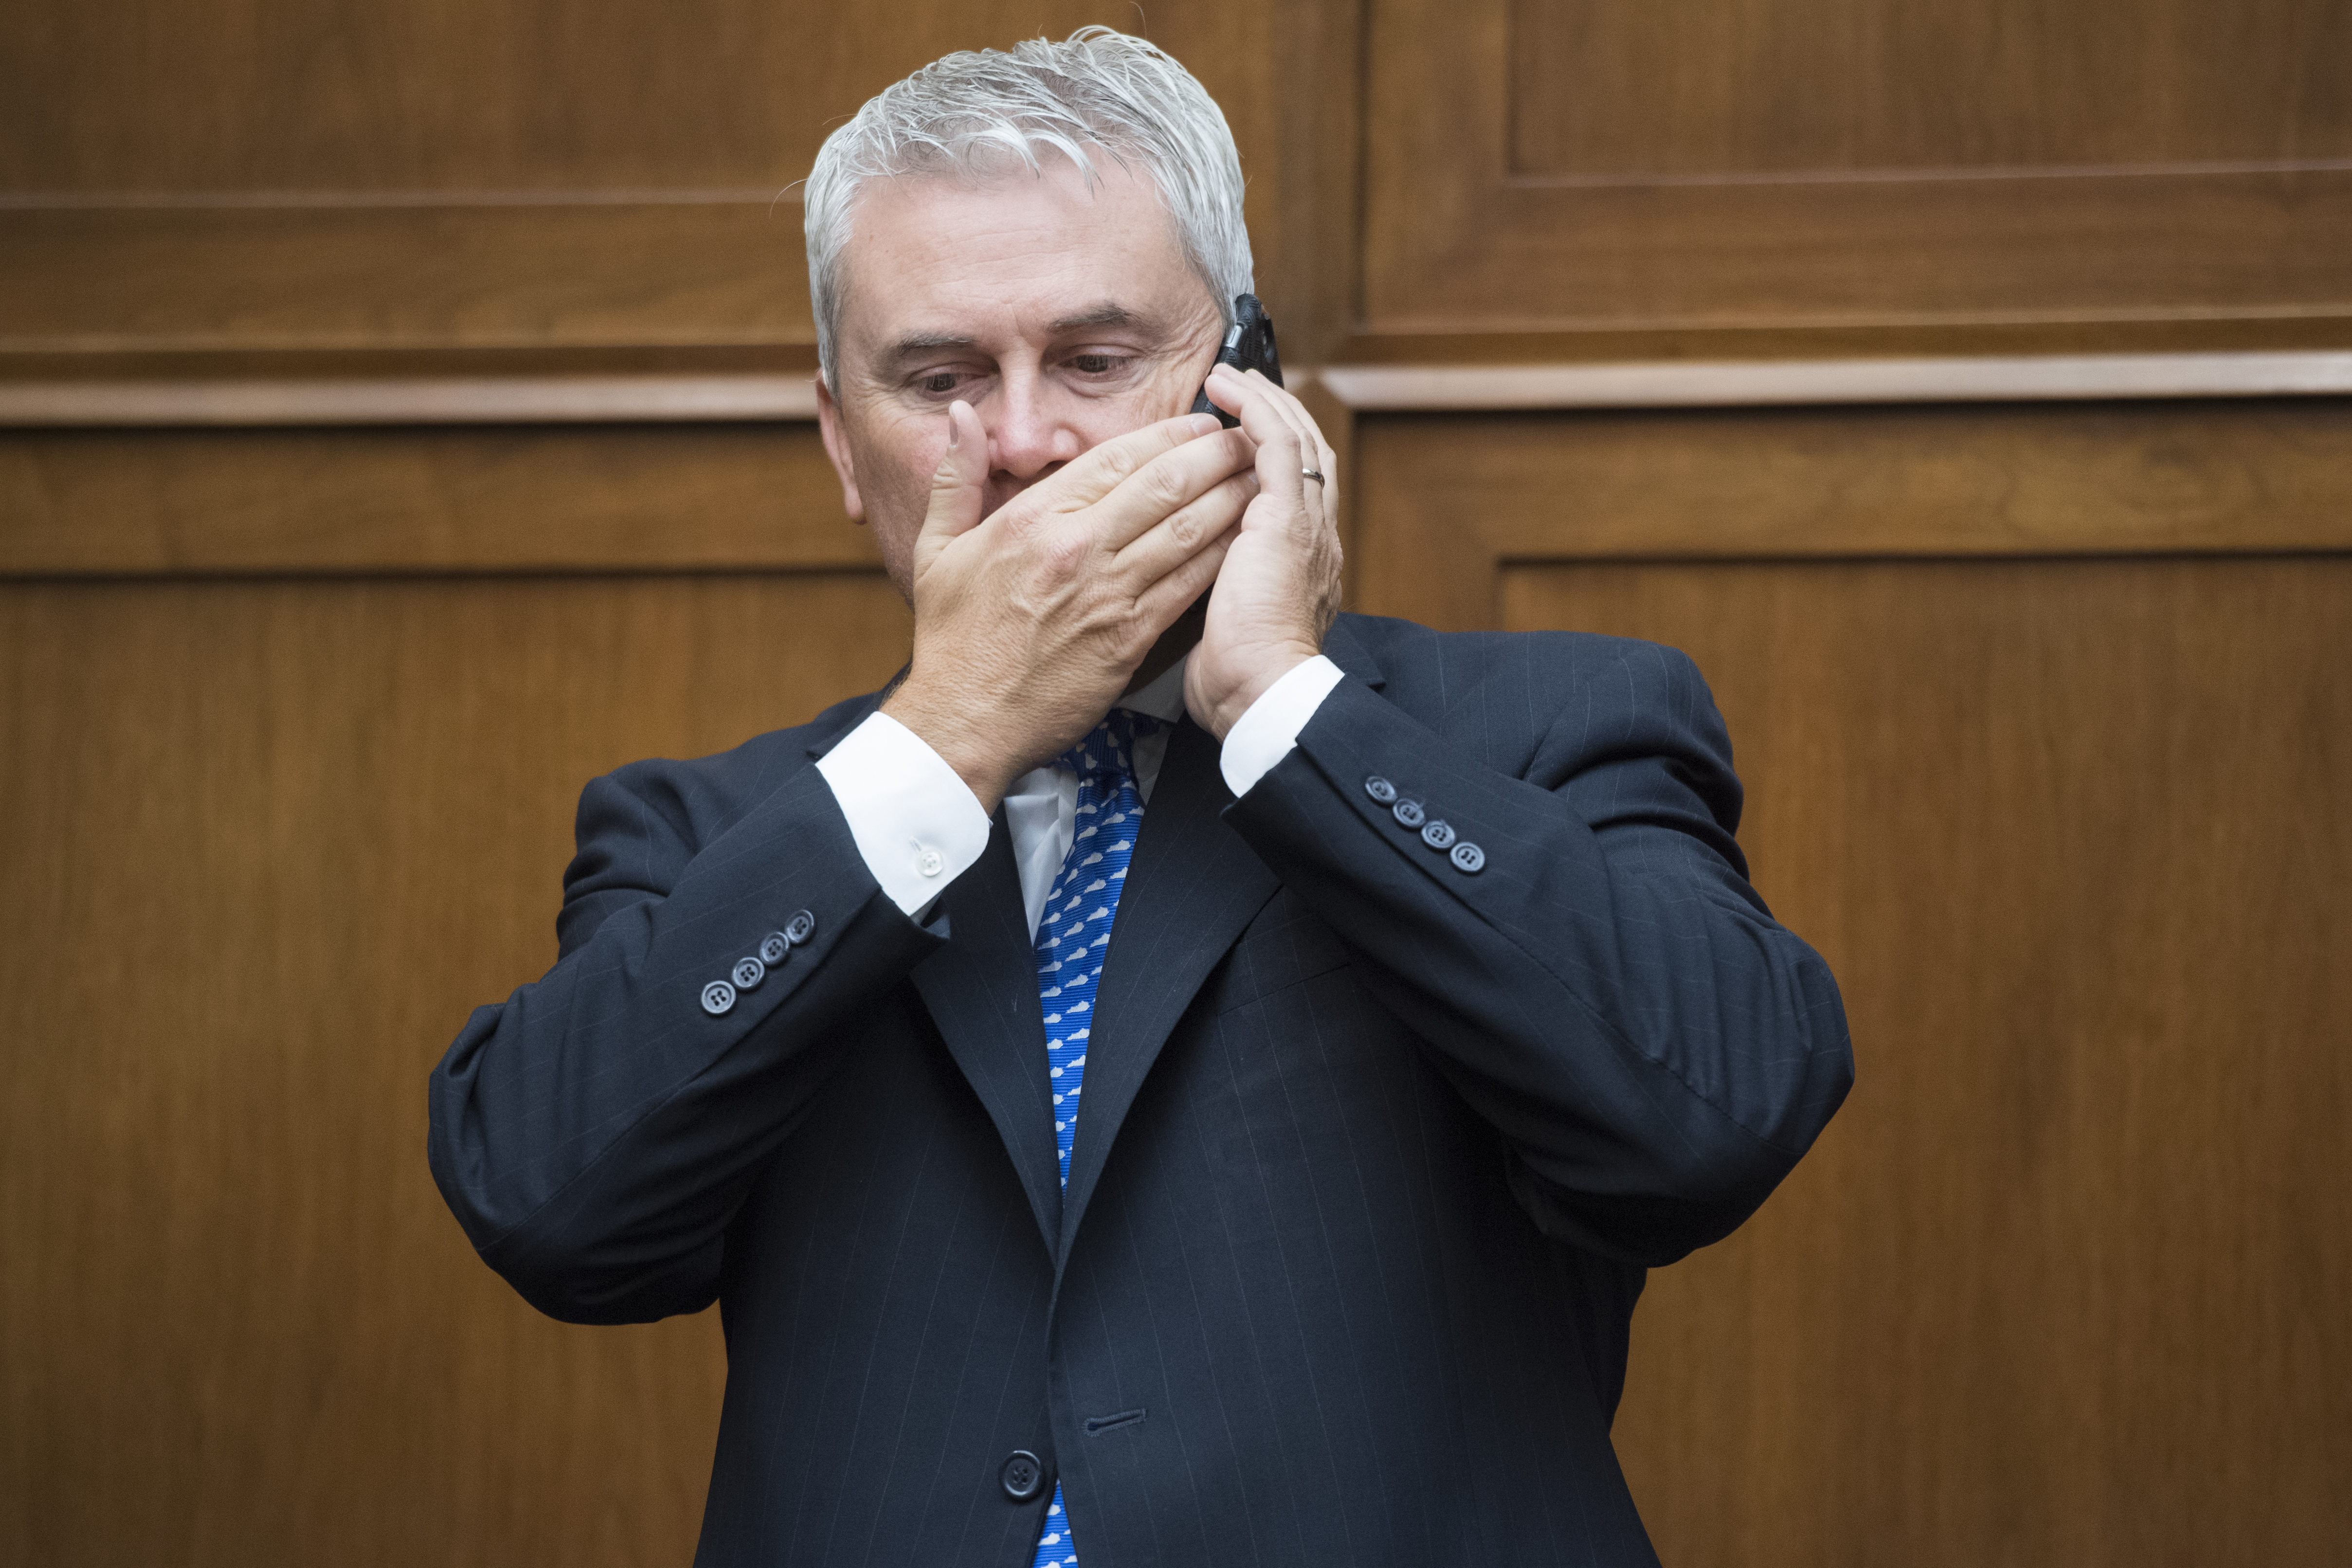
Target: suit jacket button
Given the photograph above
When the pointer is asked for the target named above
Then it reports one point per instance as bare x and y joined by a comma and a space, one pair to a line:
1023, 1476
1468, 858
1438, 834
800, 928
1410, 813
1379, 790
747, 973
717, 998
774, 947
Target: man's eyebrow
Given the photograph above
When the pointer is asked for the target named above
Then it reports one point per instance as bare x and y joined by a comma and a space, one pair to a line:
1109, 313
914, 345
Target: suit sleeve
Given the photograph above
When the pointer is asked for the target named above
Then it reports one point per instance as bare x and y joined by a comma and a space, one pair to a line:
1598, 980
597, 1132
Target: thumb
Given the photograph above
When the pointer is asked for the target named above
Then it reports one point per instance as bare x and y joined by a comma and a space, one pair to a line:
956, 485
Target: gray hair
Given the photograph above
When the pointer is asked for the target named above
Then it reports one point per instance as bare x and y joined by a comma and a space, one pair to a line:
965, 113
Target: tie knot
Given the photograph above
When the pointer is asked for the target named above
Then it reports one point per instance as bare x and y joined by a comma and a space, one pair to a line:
1109, 747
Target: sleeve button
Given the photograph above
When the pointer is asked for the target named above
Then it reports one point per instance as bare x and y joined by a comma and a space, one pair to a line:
1468, 858
747, 973
1380, 789
931, 863
1438, 834
717, 998
772, 948
800, 928
1410, 813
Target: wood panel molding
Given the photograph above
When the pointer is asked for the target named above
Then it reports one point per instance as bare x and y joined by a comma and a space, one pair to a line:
1726, 384
1636, 231
542, 273
372, 502
528, 181
255, 401
466, 400
1444, 501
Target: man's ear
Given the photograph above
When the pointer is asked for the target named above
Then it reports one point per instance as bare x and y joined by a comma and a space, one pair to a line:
836, 447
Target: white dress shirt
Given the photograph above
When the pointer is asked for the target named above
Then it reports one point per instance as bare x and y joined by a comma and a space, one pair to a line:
919, 827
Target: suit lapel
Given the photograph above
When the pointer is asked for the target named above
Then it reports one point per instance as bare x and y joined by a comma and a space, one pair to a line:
1192, 887
981, 989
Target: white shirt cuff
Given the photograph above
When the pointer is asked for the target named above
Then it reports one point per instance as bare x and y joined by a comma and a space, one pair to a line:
918, 824
1267, 730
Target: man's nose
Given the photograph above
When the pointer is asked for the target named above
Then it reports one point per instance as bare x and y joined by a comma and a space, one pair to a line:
1030, 433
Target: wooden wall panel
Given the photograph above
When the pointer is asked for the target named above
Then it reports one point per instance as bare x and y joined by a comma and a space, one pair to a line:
260, 277
306, 174
2059, 1284
505, 95
1845, 164
1610, 89
268, 844
1446, 499
601, 498
2065, 1281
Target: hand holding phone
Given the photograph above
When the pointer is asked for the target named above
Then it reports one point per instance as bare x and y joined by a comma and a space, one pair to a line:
1249, 346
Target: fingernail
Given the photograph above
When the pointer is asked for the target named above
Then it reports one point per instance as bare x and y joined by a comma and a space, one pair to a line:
955, 430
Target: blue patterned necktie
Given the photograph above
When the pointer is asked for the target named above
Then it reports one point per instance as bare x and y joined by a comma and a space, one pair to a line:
1073, 938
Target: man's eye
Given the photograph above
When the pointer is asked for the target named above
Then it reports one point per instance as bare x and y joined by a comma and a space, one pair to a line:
1094, 364
938, 381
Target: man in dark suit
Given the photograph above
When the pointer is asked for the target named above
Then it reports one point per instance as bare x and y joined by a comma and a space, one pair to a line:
1410, 983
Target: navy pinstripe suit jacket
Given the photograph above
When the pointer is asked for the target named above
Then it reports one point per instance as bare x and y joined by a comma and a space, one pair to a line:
1373, 1157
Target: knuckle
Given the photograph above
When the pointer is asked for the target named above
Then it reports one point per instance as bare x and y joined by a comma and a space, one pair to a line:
1189, 526
1162, 486
1119, 459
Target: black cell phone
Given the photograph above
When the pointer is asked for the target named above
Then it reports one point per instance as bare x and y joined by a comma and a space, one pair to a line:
1249, 346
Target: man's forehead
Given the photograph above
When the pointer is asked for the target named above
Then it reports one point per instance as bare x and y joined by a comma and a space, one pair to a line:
937, 262
1104, 313
946, 205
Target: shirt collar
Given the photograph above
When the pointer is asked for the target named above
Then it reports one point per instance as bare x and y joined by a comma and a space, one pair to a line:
1163, 698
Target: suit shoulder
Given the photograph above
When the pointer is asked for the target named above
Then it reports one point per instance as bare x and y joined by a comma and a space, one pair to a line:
1543, 669
696, 799
638, 827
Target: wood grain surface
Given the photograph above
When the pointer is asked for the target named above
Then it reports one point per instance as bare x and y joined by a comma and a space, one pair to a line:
112, 279
269, 842
1764, 88
245, 402
505, 95
1837, 163
2065, 1281
1446, 499
1822, 384
516, 173
2041, 707
641, 499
